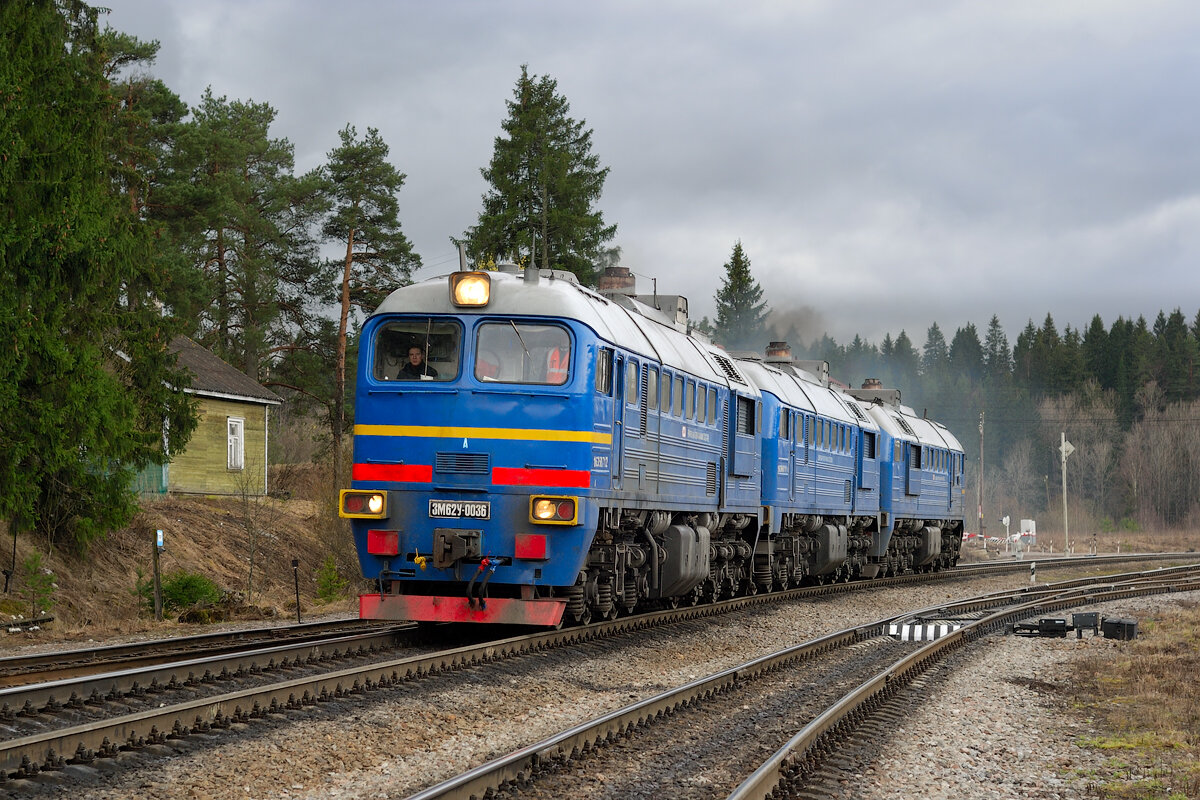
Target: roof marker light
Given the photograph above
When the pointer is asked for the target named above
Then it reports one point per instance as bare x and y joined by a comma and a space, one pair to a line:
471, 289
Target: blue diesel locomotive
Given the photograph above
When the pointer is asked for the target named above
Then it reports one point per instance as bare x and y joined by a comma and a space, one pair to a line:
530, 451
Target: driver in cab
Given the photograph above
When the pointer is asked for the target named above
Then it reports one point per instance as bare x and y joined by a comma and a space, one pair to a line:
415, 367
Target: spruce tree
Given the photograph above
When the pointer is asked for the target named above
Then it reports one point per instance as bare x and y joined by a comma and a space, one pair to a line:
935, 355
741, 311
89, 387
545, 182
905, 362
966, 353
1097, 356
997, 357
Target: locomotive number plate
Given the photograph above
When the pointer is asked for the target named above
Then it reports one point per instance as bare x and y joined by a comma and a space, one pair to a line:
460, 509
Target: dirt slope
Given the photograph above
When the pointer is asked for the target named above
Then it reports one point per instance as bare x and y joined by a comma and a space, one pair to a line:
246, 549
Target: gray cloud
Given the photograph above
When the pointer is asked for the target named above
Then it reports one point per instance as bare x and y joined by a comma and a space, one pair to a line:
884, 165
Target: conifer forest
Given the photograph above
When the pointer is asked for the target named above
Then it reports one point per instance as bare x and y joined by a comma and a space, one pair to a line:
134, 217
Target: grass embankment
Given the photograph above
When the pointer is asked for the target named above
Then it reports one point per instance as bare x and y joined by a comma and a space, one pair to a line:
1145, 698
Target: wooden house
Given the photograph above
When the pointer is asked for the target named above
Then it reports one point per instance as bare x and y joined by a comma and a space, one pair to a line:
227, 453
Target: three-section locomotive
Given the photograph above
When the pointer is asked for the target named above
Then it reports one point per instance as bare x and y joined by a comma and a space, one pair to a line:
555, 454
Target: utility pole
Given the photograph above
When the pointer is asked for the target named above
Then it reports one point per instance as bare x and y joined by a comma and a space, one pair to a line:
982, 538
1066, 448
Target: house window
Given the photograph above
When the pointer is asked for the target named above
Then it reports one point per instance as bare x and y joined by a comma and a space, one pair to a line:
236, 440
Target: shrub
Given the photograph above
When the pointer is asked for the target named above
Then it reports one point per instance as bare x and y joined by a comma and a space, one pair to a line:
330, 585
180, 590
37, 585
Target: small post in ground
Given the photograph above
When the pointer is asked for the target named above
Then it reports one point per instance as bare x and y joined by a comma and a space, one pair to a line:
296, 575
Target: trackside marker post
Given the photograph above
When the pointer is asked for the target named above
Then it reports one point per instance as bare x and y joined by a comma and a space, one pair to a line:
296, 575
158, 598
1033, 572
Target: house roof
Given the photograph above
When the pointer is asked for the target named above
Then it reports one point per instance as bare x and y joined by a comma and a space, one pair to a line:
212, 376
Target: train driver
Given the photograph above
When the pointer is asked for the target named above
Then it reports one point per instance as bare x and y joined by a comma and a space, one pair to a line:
416, 368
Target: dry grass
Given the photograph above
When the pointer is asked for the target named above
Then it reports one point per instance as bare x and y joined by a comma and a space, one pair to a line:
1051, 542
95, 595
1145, 697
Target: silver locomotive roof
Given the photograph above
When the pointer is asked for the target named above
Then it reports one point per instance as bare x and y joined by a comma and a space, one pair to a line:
803, 390
624, 321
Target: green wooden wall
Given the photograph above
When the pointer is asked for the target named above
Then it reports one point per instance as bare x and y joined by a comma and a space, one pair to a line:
202, 468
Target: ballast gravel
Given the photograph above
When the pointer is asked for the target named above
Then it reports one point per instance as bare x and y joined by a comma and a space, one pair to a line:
987, 734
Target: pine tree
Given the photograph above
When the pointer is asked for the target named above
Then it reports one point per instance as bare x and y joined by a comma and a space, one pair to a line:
741, 311
245, 224
89, 386
378, 258
545, 181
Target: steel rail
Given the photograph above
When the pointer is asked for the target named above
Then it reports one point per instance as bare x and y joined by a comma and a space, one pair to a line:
24, 756
804, 751
522, 764
151, 651
53, 695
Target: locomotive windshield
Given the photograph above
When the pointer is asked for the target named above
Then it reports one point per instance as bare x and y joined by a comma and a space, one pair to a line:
418, 349
522, 352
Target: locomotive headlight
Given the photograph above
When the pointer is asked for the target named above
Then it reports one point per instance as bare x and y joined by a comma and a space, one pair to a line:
358, 504
553, 510
470, 288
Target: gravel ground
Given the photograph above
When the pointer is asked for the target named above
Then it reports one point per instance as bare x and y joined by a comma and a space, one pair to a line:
988, 735
992, 733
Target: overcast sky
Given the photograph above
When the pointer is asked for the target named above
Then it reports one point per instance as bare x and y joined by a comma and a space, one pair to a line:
885, 165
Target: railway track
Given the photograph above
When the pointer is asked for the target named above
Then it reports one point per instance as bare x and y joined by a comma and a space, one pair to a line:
176, 708
29, 668
684, 742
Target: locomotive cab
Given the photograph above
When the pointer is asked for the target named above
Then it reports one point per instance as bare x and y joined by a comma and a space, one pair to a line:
469, 427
